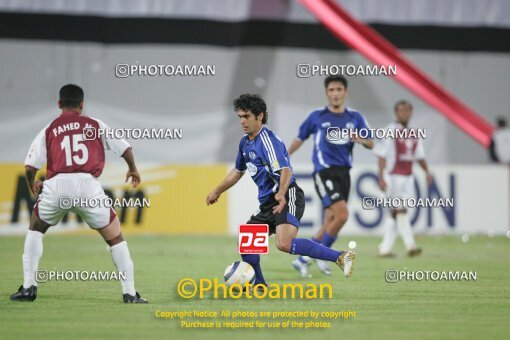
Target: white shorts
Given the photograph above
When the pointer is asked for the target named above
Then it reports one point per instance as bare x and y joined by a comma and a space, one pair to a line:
400, 186
61, 192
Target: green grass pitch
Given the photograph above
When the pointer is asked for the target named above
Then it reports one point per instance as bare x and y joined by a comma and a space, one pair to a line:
403, 310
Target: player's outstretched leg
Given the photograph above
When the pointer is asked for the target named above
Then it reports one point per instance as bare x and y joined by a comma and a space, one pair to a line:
286, 241
302, 263
122, 260
32, 253
254, 261
338, 215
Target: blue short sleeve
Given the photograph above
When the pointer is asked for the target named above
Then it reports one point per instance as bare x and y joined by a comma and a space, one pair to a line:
240, 162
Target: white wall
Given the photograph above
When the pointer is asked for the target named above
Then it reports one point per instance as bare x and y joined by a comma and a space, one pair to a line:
480, 195
32, 73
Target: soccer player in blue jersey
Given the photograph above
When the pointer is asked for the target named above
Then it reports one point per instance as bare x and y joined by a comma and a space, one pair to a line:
282, 202
332, 159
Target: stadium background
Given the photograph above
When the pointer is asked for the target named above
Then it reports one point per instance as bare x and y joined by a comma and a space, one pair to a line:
255, 46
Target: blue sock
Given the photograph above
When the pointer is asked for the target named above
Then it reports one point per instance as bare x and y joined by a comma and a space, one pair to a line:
328, 240
300, 258
254, 261
306, 247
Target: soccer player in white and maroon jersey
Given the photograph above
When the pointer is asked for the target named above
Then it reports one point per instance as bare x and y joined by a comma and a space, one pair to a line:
396, 158
74, 162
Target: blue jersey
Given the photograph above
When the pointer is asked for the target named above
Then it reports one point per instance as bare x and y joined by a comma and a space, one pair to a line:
263, 157
331, 149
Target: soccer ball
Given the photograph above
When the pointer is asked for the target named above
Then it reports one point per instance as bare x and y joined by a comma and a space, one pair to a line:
239, 272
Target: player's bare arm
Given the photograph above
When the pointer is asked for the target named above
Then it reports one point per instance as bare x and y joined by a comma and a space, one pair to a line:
424, 166
296, 144
132, 171
367, 143
381, 162
33, 185
285, 177
230, 180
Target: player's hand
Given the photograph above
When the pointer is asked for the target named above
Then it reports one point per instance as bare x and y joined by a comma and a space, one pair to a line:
362, 141
382, 183
355, 138
212, 198
281, 203
429, 179
37, 187
135, 178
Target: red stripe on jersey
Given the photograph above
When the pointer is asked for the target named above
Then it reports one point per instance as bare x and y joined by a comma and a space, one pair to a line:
404, 156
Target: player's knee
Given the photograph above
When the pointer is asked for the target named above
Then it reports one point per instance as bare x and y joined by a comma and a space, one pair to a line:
340, 214
343, 217
111, 233
38, 225
35, 227
328, 215
116, 240
283, 245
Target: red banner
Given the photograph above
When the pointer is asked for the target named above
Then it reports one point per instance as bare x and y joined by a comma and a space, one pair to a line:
373, 46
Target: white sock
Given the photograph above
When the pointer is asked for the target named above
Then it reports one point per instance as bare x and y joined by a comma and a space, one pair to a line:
32, 253
404, 227
390, 235
122, 260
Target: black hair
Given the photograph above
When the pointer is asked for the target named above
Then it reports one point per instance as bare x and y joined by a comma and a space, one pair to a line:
333, 78
501, 122
71, 95
252, 102
402, 102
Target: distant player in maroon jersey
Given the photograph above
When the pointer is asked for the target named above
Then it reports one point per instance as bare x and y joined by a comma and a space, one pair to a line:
396, 158
75, 157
